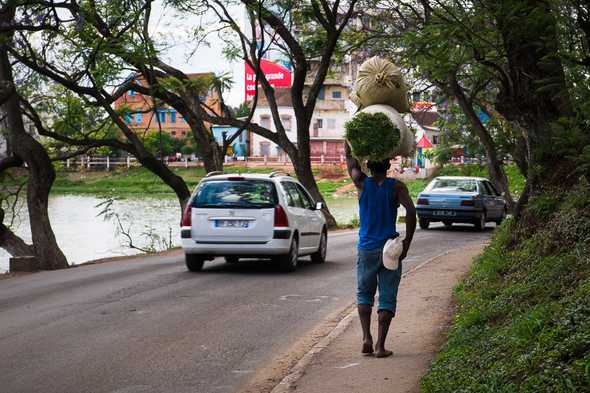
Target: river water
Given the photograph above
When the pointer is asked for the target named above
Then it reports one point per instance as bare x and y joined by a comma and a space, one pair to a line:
84, 236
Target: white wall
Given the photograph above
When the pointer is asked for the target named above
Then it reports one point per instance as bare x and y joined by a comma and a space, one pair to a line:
255, 140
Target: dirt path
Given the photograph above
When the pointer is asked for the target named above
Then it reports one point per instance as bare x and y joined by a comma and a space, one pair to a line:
425, 308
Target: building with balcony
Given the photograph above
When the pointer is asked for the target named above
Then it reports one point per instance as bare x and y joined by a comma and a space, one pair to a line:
333, 109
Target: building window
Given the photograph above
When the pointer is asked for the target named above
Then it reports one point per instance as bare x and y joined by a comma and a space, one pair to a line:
265, 121
337, 94
162, 116
286, 120
131, 93
138, 117
127, 117
331, 124
241, 137
183, 133
173, 117
322, 93
173, 133
320, 123
435, 139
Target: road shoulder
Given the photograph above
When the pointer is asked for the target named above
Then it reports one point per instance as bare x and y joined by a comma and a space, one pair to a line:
425, 309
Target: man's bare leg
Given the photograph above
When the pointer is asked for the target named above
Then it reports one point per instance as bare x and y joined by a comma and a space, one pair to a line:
365, 317
385, 317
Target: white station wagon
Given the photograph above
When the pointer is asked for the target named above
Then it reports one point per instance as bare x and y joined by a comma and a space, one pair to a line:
252, 216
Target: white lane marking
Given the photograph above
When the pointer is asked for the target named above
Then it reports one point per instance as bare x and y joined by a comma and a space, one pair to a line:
348, 365
242, 371
287, 297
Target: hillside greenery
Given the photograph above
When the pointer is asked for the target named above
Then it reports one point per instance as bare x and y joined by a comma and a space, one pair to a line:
523, 321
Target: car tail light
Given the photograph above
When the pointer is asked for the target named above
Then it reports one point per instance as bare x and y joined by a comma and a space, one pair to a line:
467, 202
422, 201
186, 215
281, 219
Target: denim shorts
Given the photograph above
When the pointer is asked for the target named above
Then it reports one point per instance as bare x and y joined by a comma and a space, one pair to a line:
371, 274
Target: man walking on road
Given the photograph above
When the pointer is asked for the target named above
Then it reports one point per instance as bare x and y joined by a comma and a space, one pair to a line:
379, 198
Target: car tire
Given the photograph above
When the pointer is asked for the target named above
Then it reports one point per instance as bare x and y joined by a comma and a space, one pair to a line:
231, 259
320, 255
194, 262
448, 224
288, 263
480, 223
424, 223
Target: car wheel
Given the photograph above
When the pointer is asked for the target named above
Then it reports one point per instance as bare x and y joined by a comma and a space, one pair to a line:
448, 224
480, 224
288, 263
231, 259
424, 223
194, 262
320, 255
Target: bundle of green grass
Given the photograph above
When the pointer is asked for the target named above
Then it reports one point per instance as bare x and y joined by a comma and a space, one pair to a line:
377, 132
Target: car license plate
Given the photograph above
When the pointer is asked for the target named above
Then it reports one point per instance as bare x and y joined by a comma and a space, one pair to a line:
231, 223
444, 213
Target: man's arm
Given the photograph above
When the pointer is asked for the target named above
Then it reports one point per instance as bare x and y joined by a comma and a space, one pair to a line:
354, 168
406, 201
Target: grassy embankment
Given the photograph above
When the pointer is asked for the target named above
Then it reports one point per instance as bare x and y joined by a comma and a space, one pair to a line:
523, 321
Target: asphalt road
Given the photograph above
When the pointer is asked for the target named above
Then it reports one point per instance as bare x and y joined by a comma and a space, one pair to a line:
149, 325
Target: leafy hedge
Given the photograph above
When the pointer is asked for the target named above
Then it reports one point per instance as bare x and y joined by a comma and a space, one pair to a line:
372, 136
523, 323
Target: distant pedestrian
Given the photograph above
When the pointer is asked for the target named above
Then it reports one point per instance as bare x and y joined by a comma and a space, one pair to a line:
379, 198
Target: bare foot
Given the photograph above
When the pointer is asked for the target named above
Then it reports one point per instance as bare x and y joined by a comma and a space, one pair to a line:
367, 347
383, 353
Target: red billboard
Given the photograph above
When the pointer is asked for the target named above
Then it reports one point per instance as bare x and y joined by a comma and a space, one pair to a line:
277, 76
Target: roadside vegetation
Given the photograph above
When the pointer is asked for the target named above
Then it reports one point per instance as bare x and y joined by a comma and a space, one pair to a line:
523, 321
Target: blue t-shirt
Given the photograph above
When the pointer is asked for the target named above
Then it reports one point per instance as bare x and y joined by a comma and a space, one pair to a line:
378, 213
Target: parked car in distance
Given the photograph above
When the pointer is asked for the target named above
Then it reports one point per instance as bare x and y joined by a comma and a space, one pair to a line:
455, 199
252, 216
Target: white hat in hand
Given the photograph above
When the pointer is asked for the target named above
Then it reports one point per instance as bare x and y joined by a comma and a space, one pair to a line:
391, 253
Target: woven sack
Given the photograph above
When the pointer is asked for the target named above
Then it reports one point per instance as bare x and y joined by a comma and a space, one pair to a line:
379, 81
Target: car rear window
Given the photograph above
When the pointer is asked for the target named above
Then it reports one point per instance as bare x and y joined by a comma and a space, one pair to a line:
242, 194
457, 185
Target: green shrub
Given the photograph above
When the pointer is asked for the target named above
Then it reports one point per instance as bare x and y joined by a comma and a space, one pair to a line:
372, 136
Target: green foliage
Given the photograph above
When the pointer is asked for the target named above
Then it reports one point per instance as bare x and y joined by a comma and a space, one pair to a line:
523, 323
159, 143
372, 136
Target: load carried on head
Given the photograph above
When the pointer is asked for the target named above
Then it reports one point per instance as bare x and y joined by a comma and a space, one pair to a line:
377, 131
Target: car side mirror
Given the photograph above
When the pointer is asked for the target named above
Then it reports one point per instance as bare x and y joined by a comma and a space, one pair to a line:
319, 206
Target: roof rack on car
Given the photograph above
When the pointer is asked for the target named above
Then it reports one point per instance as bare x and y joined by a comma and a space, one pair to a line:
277, 173
214, 173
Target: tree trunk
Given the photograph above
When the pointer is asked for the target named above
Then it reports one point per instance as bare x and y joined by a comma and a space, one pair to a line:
174, 181
498, 177
41, 173
302, 164
212, 157
13, 244
537, 95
